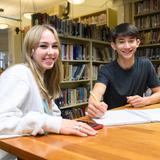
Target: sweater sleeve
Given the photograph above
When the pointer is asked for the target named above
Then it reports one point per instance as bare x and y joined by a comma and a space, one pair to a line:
12, 96
13, 121
36, 122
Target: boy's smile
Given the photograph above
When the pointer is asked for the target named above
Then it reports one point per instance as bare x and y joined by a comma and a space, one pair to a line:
126, 46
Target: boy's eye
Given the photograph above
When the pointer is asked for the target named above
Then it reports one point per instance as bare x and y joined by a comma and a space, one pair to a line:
121, 41
131, 41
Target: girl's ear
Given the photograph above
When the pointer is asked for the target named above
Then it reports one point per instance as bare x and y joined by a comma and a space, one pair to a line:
32, 53
113, 46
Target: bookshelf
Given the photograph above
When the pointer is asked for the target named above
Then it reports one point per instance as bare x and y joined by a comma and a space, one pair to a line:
80, 72
101, 54
100, 18
147, 19
84, 48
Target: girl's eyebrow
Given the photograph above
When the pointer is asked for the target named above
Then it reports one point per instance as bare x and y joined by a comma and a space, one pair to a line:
47, 43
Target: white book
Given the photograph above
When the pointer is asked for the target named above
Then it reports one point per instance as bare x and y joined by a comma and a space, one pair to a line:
126, 116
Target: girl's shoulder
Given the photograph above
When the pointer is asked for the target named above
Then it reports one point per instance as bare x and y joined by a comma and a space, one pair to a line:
17, 70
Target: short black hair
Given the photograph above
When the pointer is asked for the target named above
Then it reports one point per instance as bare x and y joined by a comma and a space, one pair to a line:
124, 29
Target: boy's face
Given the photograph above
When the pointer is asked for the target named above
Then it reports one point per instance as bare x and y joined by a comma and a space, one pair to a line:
125, 46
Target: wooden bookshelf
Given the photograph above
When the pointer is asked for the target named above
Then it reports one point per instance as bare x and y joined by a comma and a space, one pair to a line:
105, 17
147, 19
97, 54
83, 50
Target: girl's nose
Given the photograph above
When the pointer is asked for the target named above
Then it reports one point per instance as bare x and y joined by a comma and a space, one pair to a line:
50, 50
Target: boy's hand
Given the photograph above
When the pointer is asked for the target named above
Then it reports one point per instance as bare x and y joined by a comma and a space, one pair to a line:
97, 109
137, 101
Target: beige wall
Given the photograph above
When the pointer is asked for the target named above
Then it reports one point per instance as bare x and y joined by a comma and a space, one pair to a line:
117, 5
14, 40
4, 40
11, 41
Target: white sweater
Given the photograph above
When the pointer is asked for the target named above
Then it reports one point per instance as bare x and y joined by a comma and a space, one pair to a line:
21, 105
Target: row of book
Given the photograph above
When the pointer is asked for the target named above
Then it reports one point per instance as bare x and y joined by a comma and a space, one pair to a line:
145, 22
95, 71
99, 19
153, 53
74, 52
74, 71
102, 54
73, 113
73, 28
73, 96
80, 52
150, 37
146, 6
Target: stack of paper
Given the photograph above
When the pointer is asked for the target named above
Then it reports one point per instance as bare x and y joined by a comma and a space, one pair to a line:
126, 116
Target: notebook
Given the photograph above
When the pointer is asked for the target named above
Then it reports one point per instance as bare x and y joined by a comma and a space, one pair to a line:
126, 116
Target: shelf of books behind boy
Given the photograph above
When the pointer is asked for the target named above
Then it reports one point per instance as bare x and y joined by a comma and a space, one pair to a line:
72, 28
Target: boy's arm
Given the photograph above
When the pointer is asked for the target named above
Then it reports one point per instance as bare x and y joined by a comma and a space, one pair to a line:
96, 108
138, 101
155, 97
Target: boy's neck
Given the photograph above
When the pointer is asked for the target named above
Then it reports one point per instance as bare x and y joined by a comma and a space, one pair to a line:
126, 64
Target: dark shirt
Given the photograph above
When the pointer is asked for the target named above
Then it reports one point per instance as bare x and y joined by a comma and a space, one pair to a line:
121, 83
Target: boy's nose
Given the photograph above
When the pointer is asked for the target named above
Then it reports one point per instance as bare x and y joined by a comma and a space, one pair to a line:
126, 45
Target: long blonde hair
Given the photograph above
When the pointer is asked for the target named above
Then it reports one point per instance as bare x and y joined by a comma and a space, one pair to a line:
49, 85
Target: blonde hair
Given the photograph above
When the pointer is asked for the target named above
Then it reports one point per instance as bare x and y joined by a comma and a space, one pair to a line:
49, 85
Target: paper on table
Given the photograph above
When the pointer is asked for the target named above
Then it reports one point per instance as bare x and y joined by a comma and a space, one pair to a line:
126, 116
153, 114
4, 136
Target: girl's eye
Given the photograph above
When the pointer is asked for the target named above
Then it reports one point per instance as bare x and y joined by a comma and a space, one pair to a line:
43, 46
54, 46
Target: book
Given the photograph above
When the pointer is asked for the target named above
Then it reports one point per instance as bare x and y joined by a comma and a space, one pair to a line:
128, 116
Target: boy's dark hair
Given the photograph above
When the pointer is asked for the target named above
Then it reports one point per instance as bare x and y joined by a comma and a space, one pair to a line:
124, 29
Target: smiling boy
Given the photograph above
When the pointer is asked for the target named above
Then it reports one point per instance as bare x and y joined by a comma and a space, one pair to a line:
125, 79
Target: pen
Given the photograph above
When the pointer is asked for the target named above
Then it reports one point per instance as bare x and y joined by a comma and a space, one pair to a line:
95, 98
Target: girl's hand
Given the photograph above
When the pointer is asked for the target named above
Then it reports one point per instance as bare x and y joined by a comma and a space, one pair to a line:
76, 128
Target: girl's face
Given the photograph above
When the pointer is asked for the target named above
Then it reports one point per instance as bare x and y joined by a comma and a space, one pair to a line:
126, 46
47, 52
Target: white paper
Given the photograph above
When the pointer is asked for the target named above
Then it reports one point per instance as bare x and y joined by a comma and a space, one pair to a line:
4, 136
126, 116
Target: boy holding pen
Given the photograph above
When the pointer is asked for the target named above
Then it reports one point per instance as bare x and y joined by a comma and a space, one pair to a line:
126, 79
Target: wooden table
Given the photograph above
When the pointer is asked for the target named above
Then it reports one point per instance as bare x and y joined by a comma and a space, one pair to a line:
130, 142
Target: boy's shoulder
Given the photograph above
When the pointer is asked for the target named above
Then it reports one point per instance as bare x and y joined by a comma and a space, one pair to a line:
143, 60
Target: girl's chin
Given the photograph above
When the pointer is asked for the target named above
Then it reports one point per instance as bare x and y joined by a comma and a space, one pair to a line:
46, 67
